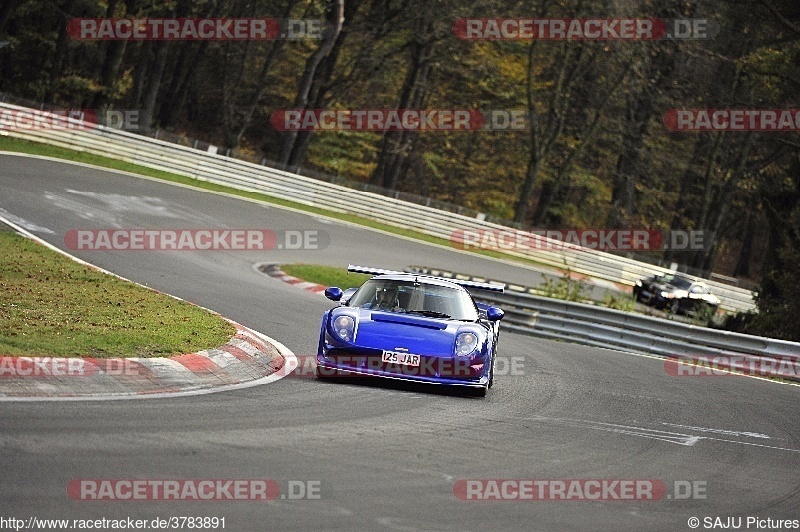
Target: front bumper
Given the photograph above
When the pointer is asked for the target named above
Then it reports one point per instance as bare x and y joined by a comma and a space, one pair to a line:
653, 297
471, 376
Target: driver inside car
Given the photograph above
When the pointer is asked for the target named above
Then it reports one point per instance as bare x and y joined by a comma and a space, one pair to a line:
386, 299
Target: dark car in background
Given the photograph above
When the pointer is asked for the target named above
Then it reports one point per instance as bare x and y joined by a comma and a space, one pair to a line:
675, 293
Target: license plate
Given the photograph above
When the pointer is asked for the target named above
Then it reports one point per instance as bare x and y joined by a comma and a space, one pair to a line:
404, 359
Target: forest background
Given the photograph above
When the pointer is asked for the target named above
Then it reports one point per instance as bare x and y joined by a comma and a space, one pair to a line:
595, 151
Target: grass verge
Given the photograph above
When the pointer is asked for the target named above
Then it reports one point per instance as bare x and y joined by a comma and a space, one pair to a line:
325, 275
53, 306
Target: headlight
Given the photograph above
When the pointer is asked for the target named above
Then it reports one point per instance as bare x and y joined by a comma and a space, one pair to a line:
344, 326
668, 295
466, 343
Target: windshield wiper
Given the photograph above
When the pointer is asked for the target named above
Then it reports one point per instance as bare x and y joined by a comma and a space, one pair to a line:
429, 313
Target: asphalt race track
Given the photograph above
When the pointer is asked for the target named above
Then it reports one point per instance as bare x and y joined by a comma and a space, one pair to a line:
375, 456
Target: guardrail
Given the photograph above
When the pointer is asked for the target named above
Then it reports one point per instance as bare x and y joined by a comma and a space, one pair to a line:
595, 326
204, 166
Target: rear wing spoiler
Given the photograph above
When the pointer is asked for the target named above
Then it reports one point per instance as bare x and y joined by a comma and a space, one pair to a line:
495, 287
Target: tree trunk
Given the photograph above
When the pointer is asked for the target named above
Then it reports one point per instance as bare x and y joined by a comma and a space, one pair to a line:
155, 72
722, 204
544, 134
250, 109
396, 145
660, 61
629, 163
109, 73
61, 52
175, 96
688, 184
7, 8
318, 98
335, 19
745, 250
549, 194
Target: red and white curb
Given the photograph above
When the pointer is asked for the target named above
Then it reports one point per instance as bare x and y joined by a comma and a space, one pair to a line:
274, 270
248, 359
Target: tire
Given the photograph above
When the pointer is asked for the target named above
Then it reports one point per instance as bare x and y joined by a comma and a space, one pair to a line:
479, 392
491, 370
675, 307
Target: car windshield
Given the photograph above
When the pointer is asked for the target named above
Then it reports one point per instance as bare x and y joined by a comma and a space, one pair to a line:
415, 298
680, 282
674, 280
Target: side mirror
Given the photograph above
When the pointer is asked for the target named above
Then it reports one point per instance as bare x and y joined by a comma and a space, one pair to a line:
334, 293
494, 314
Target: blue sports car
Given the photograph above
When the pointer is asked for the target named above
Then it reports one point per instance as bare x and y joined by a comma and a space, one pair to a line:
411, 327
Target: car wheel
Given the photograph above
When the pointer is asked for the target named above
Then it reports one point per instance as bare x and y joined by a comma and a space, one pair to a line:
491, 370
479, 392
676, 307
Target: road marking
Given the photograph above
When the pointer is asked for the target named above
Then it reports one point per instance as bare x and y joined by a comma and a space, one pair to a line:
397, 523
719, 431
655, 434
687, 440
22, 222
